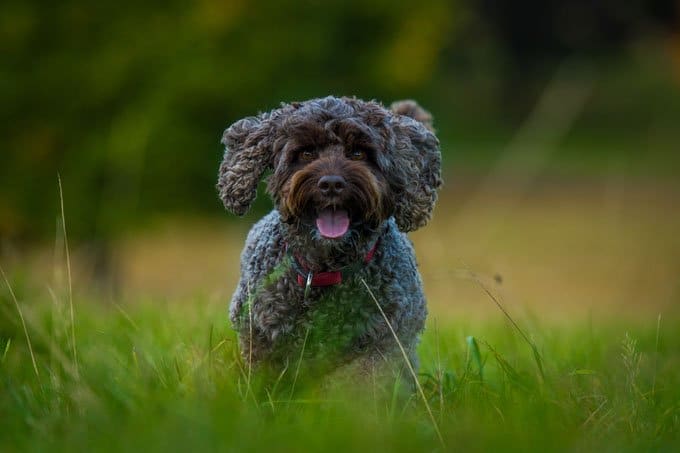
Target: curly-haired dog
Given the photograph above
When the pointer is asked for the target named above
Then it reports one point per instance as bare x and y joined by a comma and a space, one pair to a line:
348, 178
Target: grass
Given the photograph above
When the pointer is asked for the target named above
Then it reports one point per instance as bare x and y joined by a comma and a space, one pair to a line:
157, 376
589, 366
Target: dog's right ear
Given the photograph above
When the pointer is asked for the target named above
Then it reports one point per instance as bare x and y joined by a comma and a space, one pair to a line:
246, 157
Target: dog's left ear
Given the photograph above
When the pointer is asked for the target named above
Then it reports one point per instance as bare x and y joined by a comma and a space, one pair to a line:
247, 156
416, 161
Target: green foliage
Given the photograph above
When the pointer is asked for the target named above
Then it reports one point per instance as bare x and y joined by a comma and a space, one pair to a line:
128, 100
168, 377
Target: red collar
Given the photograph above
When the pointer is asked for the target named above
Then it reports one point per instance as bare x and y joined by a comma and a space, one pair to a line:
328, 278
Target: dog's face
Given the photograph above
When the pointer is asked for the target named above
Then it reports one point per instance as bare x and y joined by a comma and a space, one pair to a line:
338, 164
328, 177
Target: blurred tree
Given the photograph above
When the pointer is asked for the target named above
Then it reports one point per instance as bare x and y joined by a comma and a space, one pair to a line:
537, 35
127, 100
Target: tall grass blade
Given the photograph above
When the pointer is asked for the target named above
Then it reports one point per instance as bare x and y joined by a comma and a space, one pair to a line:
4, 353
299, 364
631, 358
476, 355
534, 349
408, 364
210, 347
508, 369
250, 345
23, 324
440, 373
656, 354
275, 388
68, 277
127, 317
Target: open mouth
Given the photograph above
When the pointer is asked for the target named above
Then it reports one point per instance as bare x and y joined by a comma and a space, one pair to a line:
332, 223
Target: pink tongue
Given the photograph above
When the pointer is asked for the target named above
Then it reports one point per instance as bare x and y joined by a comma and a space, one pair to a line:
332, 223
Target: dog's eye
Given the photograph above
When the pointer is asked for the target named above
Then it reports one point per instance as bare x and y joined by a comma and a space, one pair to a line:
357, 154
306, 155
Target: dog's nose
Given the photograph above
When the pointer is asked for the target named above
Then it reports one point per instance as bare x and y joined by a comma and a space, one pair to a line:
331, 184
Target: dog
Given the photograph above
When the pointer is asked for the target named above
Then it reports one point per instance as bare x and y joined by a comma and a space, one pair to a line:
349, 179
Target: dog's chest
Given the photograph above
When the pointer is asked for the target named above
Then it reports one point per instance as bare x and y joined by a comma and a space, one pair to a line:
334, 322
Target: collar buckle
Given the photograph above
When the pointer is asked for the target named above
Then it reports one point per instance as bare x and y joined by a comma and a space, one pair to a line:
308, 284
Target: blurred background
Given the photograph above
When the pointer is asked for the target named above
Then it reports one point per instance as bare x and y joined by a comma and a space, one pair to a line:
559, 123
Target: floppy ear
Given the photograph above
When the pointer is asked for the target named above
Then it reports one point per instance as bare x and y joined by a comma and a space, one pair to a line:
415, 175
247, 156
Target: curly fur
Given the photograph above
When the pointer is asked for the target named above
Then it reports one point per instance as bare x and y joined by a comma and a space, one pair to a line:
390, 190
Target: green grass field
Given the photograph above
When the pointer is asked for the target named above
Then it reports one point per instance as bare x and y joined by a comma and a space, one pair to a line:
587, 272
155, 377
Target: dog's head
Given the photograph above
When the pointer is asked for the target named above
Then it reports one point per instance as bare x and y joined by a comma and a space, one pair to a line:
336, 163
